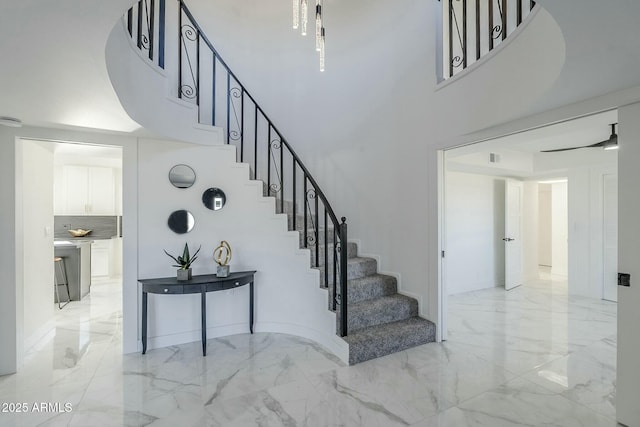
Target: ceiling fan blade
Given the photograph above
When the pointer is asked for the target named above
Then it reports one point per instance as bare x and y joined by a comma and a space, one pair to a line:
597, 144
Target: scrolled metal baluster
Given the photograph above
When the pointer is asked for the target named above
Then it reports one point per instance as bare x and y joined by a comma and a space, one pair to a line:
499, 31
235, 92
189, 91
312, 237
276, 145
458, 60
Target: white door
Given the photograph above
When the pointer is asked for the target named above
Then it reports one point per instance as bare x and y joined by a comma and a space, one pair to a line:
513, 234
610, 238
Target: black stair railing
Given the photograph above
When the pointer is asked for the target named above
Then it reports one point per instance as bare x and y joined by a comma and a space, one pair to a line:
205, 79
473, 28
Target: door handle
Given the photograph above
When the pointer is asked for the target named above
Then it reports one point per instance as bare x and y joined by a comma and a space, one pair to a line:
508, 239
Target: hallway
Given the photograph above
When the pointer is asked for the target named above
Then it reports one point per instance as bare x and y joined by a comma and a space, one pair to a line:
530, 356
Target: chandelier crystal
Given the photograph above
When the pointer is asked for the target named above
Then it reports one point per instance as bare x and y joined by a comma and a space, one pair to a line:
301, 19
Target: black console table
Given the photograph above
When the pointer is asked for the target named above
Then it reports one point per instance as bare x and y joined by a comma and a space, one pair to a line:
197, 285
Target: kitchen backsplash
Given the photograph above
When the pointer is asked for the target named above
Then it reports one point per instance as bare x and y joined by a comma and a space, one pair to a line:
102, 227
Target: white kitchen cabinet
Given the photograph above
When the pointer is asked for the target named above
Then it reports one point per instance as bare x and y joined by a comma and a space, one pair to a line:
100, 252
86, 190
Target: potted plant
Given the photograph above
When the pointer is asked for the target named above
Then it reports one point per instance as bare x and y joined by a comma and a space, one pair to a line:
183, 262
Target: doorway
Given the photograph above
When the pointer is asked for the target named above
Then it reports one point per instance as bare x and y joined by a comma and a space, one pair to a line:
579, 240
553, 226
65, 188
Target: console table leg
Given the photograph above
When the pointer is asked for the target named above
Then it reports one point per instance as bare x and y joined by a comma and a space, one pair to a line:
204, 322
144, 322
251, 307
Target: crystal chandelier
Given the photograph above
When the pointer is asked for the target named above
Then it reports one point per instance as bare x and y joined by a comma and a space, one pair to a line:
300, 21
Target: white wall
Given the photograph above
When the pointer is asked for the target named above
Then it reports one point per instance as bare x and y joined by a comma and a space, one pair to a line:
544, 235
288, 296
559, 229
530, 227
628, 374
585, 237
36, 195
474, 215
10, 264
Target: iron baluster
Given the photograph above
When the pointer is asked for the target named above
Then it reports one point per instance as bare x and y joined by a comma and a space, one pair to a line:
130, 21
269, 162
490, 24
503, 15
139, 33
478, 40
241, 123
161, 33
316, 227
518, 12
294, 193
343, 277
282, 178
450, 38
228, 108
255, 144
213, 91
150, 25
304, 211
326, 250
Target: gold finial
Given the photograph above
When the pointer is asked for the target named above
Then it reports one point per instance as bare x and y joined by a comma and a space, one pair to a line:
223, 249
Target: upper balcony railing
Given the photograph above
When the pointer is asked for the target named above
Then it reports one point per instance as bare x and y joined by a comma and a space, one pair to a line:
473, 28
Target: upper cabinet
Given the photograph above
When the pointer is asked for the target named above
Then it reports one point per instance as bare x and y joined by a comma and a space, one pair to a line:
85, 190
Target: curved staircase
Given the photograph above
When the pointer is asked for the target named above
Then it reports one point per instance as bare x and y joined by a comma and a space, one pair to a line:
371, 316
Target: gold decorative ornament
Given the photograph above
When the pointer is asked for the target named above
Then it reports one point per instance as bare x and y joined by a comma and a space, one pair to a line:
222, 250
222, 256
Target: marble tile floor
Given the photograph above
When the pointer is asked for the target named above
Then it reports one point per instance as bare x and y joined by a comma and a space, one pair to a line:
532, 356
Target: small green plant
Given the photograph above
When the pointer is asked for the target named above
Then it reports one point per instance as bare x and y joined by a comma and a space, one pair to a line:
185, 260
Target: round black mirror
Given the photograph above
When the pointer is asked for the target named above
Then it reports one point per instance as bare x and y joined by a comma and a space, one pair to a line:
214, 198
181, 221
182, 176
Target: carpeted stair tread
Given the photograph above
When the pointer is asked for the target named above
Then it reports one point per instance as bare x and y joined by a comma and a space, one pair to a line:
381, 340
387, 309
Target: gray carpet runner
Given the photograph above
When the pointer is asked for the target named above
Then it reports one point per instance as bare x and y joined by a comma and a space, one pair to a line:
380, 320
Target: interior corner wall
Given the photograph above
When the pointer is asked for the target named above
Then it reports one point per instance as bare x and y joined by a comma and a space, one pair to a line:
37, 234
8, 259
474, 223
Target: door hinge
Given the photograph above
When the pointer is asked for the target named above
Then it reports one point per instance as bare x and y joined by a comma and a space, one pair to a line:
442, 254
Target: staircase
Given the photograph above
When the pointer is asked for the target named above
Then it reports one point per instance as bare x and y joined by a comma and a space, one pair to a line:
381, 321
371, 316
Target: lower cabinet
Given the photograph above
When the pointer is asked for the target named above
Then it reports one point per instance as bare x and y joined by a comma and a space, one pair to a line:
100, 258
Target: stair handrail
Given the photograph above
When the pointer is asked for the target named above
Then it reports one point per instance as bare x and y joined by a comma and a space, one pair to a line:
141, 26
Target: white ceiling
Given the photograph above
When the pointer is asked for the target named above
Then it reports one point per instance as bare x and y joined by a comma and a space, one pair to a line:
578, 132
520, 153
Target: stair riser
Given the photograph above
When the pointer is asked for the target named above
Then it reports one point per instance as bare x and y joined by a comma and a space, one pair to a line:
404, 337
390, 313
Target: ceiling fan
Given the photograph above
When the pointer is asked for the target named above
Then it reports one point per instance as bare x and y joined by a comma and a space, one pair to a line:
609, 144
